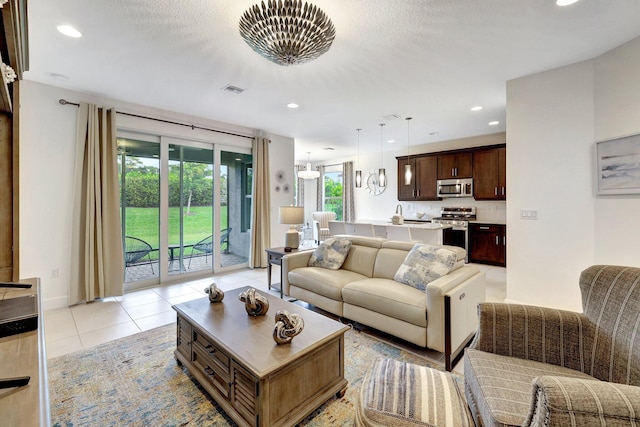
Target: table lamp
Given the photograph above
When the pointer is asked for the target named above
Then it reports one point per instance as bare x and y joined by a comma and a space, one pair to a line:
292, 215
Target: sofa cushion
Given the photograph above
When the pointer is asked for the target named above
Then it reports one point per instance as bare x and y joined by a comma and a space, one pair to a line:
330, 254
322, 281
424, 264
500, 387
388, 297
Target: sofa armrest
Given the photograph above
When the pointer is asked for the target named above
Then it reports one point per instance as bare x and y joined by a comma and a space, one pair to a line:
468, 281
562, 401
559, 337
290, 262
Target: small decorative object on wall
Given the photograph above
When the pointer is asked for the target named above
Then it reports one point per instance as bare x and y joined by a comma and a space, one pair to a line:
373, 184
618, 166
215, 294
287, 326
254, 303
280, 176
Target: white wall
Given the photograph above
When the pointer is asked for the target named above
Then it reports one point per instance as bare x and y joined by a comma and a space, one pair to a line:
553, 119
47, 155
617, 114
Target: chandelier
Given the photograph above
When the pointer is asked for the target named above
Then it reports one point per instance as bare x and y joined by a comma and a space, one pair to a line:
288, 32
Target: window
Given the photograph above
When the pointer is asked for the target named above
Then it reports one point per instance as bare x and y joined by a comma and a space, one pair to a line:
333, 190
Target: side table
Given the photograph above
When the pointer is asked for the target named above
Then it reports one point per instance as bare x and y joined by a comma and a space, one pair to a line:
274, 257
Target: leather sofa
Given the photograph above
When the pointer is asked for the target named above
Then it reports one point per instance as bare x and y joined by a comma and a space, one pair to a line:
442, 318
539, 366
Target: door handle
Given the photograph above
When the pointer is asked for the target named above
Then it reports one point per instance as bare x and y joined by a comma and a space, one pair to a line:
497, 240
495, 191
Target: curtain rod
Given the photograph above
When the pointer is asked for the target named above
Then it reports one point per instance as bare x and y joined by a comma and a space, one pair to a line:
65, 102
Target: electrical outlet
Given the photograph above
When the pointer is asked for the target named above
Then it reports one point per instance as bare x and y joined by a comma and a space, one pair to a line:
54, 273
528, 214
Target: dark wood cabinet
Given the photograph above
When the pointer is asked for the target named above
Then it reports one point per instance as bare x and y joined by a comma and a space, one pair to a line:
423, 181
489, 174
488, 244
455, 165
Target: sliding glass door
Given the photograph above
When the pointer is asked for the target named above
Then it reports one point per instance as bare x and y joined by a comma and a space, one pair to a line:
191, 219
181, 214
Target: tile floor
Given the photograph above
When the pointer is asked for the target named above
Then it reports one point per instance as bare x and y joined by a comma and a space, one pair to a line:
87, 325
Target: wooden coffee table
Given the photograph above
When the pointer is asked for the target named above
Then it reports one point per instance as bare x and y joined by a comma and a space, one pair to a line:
257, 382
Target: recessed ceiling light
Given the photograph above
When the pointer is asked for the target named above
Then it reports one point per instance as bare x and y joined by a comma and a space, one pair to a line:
433, 133
329, 148
391, 141
494, 123
292, 105
477, 108
233, 89
69, 31
565, 2
59, 77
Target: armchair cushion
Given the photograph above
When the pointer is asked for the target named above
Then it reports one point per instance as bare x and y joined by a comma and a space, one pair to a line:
424, 264
560, 401
499, 387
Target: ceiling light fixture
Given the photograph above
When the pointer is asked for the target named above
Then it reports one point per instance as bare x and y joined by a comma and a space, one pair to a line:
69, 31
382, 175
494, 123
358, 171
292, 105
477, 108
287, 32
565, 2
308, 173
408, 174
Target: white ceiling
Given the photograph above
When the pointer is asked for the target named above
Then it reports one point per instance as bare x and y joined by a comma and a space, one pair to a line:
429, 59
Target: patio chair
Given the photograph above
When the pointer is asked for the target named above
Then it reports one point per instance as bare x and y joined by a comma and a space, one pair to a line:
206, 245
134, 250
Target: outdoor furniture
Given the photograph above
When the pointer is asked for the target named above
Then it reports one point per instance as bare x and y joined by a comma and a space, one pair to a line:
206, 245
134, 250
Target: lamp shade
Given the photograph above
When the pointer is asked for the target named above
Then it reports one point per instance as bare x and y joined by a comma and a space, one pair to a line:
308, 173
291, 215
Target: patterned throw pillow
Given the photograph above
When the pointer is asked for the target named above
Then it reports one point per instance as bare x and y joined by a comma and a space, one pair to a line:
424, 264
330, 254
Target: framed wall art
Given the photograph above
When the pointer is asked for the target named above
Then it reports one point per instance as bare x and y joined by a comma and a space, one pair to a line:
618, 166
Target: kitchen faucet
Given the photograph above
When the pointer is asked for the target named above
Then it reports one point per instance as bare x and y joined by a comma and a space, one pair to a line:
399, 207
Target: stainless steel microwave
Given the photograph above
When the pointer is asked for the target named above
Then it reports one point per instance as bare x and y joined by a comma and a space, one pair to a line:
455, 187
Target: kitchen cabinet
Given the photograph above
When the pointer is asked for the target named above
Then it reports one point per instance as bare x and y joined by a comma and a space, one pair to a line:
423, 182
489, 174
455, 165
488, 244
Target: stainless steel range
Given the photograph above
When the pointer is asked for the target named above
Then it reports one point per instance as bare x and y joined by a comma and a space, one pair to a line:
458, 218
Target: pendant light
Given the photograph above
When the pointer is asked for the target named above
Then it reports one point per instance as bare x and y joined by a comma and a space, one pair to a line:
358, 171
408, 174
308, 173
382, 175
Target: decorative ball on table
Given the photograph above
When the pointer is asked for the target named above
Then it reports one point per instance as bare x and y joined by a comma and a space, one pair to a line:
288, 325
215, 294
254, 303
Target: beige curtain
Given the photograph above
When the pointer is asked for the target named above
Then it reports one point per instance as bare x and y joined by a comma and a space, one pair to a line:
97, 261
260, 217
348, 193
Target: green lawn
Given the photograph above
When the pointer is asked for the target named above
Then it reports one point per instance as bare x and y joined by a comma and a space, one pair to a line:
143, 223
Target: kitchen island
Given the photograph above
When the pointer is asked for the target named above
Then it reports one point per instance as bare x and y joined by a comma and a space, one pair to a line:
414, 230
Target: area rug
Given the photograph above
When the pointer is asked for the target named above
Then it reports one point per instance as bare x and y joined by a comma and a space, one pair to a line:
135, 381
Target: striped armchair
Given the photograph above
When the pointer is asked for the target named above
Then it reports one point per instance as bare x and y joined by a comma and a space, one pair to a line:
535, 366
321, 225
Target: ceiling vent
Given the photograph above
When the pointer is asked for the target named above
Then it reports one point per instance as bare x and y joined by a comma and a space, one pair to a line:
233, 89
391, 117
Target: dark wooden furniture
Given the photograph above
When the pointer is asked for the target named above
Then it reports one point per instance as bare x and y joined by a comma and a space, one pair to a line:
488, 244
21, 355
455, 165
490, 174
274, 257
255, 381
423, 183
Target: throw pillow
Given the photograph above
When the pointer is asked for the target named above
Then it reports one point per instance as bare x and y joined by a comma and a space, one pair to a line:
330, 254
424, 264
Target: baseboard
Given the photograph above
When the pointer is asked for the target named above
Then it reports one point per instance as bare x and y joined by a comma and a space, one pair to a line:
54, 303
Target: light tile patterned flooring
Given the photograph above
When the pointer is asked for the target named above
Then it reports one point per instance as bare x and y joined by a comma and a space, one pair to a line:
87, 325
